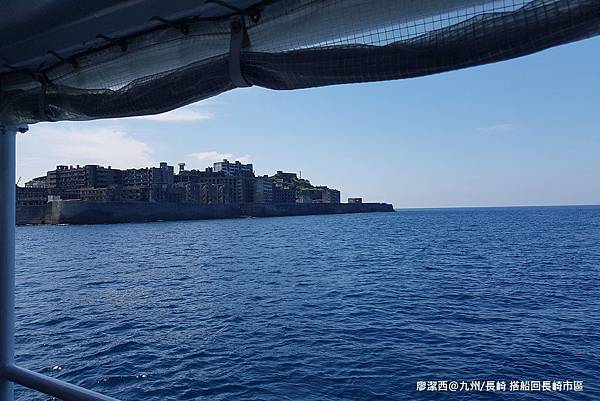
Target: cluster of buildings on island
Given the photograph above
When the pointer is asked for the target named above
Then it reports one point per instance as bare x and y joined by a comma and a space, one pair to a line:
225, 182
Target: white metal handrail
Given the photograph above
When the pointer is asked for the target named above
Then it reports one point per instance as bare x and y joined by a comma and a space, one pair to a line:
50, 386
9, 372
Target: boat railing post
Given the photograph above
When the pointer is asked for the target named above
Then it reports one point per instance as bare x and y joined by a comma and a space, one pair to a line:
8, 136
9, 372
7, 256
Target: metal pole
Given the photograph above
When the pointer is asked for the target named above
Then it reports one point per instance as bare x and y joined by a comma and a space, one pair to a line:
10, 373
53, 387
7, 256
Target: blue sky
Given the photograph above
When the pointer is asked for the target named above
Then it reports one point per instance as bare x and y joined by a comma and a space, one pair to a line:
522, 132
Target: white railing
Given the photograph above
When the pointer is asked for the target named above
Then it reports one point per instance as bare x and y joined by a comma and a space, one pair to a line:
9, 372
51, 386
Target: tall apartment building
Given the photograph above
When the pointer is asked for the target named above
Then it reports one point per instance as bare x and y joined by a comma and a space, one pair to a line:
89, 176
153, 183
31, 196
38, 182
329, 195
284, 194
225, 182
319, 194
236, 168
282, 176
263, 189
215, 193
188, 192
148, 176
67, 181
228, 184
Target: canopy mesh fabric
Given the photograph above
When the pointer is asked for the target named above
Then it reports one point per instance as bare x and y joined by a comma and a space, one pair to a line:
290, 44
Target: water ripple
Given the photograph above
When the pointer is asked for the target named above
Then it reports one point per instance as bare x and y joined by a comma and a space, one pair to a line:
353, 307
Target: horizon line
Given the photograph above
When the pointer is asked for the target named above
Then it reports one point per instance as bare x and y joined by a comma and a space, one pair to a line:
495, 206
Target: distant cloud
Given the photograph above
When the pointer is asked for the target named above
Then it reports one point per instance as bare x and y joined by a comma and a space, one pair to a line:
185, 114
244, 158
66, 143
500, 128
208, 158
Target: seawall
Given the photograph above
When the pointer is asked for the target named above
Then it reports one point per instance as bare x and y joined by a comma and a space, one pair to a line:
80, 212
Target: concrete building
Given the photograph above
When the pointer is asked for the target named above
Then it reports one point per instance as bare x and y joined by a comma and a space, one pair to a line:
66, 182
263, 189
236, 168
209, 186
154, 182
133, 194
149, 176
226, 182
303, 198
320, 194
283, 194
243, 190
38, 182
193, 176
188, 192
204, 192
228, 185
31, 196
118, 194
97, 194
286, 177
101, 184
329, 195
216, 193
68, 178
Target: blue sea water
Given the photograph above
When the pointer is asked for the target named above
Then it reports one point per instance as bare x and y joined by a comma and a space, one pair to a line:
345, 307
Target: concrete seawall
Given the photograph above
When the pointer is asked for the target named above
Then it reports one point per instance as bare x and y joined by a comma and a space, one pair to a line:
79, 212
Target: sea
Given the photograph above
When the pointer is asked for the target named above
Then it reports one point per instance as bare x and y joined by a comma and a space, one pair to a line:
418, 304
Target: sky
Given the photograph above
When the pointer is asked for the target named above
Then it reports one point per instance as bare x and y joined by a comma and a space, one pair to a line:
521, 132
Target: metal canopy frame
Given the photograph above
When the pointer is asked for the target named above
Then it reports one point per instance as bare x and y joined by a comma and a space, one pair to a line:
102, 24
9, 372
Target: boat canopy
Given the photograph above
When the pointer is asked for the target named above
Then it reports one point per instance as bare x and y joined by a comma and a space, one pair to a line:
92, 59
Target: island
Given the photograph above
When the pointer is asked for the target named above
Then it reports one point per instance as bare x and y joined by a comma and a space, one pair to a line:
93, 194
